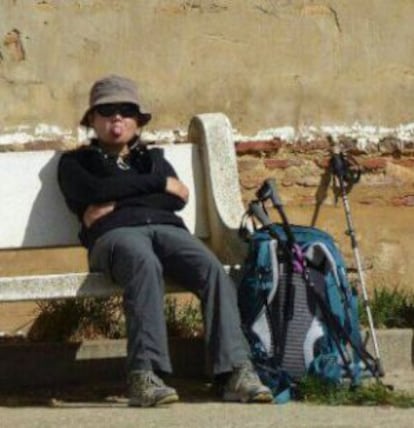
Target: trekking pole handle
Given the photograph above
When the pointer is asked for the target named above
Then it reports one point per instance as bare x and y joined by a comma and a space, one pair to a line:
268, 191
345, 168
257, 210
277, 203
274, 195
338, 165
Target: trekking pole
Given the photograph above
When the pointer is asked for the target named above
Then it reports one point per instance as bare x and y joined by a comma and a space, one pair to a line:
340, 168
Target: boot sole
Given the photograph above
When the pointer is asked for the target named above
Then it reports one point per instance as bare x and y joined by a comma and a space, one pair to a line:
168, 399
261, 397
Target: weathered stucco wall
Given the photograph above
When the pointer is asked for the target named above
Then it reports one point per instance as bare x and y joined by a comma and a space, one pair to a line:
265, 63
301, 69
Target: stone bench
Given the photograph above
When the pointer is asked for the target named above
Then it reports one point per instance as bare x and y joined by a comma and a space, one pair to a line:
33, 213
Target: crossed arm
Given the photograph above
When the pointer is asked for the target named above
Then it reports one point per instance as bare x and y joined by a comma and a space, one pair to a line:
93, 197
95, 211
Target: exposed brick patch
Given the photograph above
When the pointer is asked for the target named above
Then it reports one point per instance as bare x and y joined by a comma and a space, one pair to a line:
282, 163
373, 164
308, 181
288, 182
376, 180
311, 146
322, 163
250, 183
408, 162
355, 151
255, 147
247, 164
404, 201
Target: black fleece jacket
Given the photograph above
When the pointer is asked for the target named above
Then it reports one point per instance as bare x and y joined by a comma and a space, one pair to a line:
88, 176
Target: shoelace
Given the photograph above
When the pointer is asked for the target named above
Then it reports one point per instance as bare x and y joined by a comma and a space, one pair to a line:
147, 379
248, 374
152, 379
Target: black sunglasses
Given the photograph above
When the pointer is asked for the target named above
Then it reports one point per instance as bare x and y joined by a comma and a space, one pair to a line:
123, 109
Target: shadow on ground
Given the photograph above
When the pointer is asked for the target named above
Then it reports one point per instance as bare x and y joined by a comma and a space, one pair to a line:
102, 394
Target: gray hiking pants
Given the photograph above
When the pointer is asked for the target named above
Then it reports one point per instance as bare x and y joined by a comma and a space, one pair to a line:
137, 258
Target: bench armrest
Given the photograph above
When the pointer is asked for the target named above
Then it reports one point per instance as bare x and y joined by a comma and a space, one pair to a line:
214, 133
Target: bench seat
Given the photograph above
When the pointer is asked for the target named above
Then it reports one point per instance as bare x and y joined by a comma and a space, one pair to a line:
33, 213
68, 285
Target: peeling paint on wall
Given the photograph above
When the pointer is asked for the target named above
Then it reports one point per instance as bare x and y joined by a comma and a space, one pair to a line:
26, 134
14, 45
364, 138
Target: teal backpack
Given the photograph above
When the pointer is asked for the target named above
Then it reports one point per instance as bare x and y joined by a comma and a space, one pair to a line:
298, 310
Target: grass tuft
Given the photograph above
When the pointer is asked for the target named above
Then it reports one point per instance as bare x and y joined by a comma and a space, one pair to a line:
317, 391
391, 308
183, 319
77, 319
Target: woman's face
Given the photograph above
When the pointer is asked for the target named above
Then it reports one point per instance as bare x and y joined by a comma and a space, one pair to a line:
115, 125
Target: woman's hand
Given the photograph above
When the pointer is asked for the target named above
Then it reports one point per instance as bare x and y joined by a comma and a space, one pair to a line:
96, 211
177, 188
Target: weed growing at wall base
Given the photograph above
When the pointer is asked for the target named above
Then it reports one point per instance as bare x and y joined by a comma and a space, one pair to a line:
183, 320
78, 319
391, 308
317, 391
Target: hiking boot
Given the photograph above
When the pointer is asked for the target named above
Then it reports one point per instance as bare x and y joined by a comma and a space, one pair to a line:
146, 389
245, 385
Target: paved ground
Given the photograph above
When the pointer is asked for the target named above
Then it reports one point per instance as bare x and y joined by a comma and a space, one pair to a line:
207, 415
105, 405
198, 408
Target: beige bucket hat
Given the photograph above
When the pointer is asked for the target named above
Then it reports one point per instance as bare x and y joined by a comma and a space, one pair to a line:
115, 89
